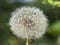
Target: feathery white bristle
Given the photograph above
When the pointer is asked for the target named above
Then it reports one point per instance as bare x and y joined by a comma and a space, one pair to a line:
19, 27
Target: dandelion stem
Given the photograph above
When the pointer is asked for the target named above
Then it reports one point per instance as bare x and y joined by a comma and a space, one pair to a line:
58, 40
27, 41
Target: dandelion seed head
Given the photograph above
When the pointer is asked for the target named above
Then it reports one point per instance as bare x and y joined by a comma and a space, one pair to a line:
28, 20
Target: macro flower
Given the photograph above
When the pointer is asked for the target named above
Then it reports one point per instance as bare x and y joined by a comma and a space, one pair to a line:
28, 22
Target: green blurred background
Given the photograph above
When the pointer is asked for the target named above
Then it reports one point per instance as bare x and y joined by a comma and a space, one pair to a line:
51, 9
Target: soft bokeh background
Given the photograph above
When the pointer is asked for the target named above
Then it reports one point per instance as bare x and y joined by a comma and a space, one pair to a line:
51, 9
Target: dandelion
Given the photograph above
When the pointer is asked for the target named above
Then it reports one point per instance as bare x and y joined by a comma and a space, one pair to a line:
28, 22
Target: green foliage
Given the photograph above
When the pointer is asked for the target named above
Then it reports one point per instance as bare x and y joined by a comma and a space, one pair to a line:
54, 29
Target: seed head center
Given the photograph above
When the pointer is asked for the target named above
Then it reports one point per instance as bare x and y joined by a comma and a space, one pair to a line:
28, 23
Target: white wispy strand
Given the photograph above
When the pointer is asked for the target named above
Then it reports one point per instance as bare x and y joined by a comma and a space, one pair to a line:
28, 13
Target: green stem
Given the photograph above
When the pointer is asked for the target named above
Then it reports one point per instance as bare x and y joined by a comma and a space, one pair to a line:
58, 40
27, 41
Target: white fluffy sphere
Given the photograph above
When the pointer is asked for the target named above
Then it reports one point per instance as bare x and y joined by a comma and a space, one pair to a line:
28, 21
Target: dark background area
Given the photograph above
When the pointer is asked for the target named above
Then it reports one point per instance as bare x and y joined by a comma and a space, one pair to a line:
52, 12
